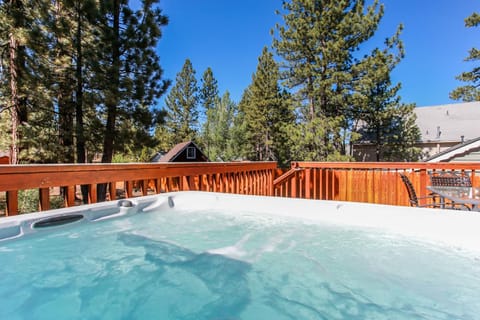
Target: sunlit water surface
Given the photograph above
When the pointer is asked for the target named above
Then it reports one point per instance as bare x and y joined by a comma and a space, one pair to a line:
213, 265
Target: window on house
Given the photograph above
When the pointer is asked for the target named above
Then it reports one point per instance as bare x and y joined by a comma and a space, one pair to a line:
191, 153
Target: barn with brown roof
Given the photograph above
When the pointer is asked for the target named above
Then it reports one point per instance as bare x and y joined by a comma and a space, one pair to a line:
183, 152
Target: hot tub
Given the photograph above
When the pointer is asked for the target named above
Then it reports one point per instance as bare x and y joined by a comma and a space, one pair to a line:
196, 255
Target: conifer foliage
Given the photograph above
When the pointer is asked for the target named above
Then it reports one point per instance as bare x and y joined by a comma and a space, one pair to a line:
319, 44
267, 113
182, 107
209, 98
470, 91
385, 122
80, 77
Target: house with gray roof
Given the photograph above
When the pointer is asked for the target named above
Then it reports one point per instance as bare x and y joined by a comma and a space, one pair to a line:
468, 151
449, 133
447, 128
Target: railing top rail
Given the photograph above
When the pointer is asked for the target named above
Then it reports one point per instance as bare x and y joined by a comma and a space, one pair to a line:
136, 165
286, 175
51, 175
388, 165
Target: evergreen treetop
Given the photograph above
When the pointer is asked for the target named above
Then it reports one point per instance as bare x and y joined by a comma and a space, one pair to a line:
182, 106
471, 91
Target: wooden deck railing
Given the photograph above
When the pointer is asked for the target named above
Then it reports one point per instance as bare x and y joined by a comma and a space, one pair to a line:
373, 182
253, 178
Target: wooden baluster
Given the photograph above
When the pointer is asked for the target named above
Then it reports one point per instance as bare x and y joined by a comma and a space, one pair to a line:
144, 186
157, 185
293, 192
112, 190
92, 193
12, 203
270, 177
69, 196
211, 182
168, 184
224, 185
128, 189
308, 182
185, 183
43, 199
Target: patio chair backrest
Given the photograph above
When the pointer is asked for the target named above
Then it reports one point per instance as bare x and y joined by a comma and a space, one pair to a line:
412, 195
450, 179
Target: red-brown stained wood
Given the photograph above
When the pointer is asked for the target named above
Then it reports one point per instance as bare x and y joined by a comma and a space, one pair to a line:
112, 190
308, 183
368, 182
373, 182
92, 193
144, 186
69, 196
44, 199
12, 203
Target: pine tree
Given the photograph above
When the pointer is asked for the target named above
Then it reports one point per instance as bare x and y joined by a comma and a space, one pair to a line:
13, 35
470, 92
267, 113
239, 145
208, 97
317, 44
62, 73
78, 68
222, 117
85, 13
129, 74
385, 121
182, 107
25, 82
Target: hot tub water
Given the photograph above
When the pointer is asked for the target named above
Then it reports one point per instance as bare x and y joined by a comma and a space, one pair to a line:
176, 263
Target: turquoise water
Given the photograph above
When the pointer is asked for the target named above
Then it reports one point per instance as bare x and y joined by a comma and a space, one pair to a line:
212, 265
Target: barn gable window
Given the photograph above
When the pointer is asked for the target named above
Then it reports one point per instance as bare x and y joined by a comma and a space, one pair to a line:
191, 153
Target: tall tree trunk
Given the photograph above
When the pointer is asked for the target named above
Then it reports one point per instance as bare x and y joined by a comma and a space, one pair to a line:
66, 126
112, 97
64, 94
311, 99
15, 106
79, 129
80, 132
113, 91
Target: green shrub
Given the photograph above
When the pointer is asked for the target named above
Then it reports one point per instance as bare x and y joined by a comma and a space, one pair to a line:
28, 201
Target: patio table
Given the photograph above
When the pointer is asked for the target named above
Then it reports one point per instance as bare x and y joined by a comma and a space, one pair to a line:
468, 196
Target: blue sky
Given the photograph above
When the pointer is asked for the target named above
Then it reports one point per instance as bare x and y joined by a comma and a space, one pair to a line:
228, 36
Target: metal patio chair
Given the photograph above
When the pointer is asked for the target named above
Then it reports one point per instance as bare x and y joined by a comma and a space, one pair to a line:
414, 199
